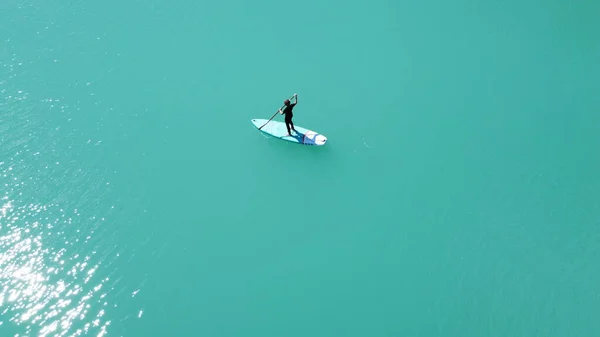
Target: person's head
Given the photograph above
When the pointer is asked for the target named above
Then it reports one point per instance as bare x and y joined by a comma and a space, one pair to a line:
286, 102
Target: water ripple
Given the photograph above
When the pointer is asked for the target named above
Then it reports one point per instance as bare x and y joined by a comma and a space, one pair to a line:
51, 288
52, 281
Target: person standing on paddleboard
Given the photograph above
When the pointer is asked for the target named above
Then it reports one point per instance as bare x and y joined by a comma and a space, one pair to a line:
287, 111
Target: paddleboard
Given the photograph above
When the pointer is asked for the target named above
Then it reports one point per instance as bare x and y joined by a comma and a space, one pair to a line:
302, 136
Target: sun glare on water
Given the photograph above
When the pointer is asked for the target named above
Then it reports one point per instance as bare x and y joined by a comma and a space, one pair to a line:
53, 260
50, 292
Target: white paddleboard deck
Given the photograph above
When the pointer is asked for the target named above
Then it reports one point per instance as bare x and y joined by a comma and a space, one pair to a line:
278, 130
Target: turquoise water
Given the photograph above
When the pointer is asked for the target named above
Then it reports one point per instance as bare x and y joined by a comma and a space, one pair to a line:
458, 193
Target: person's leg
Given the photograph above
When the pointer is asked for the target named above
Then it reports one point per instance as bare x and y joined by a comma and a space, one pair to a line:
289, 120
287, 125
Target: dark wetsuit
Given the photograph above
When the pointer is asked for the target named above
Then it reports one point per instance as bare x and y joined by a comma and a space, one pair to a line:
287, 112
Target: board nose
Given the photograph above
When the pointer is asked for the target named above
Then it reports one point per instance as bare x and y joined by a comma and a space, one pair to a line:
321, 140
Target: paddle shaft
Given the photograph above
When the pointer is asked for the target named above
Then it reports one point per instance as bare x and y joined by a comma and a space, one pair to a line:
274, 115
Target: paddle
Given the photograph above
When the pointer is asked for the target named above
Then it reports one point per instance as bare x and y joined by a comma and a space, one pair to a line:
274, 114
